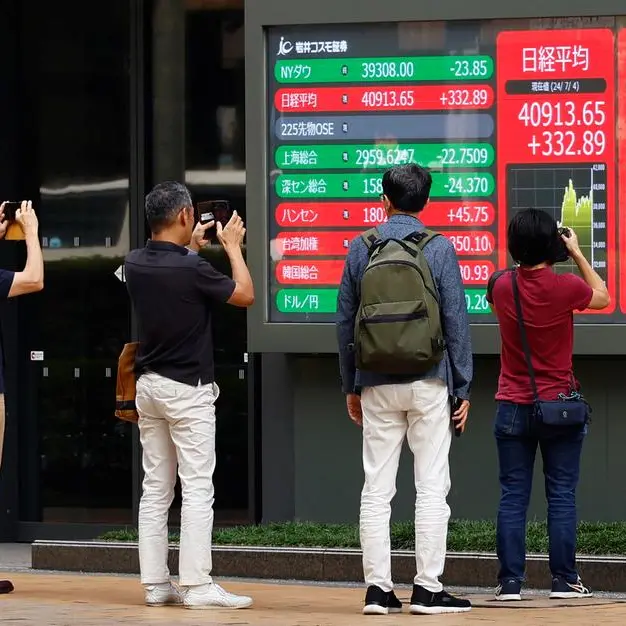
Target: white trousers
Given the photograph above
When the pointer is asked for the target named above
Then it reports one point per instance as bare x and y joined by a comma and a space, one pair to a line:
421, 412
177, 427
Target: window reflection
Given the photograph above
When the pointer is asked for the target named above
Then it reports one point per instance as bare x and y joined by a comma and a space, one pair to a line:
76, 124
204, 105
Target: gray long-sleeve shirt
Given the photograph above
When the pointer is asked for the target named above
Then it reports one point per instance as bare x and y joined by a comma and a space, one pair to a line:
456, 368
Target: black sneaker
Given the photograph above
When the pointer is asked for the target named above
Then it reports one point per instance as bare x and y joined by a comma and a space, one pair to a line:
6, 586
379, 602
508, 590
562, 590
424, 602
393, 604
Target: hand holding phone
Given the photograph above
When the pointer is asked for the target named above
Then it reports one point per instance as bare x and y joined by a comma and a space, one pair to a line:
214, 211
18, 220
4, 223
232, 235
9, 210
459, 410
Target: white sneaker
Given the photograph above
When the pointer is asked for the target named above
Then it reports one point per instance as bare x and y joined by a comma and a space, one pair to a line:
212, 596
162, 594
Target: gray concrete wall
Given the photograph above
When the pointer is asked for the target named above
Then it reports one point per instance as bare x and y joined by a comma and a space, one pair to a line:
327, 473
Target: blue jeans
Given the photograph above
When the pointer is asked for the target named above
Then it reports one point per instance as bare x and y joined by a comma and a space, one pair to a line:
518, 432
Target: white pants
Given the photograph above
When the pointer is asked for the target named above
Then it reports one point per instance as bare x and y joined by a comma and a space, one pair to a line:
177, 427
421, 411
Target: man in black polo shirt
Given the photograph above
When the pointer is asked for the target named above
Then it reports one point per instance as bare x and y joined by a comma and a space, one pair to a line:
173, 291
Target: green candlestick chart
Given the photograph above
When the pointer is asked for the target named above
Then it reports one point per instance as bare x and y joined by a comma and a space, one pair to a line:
577, 212
575, 195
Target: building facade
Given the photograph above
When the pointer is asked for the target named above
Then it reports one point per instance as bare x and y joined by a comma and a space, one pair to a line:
354, 64
100, 102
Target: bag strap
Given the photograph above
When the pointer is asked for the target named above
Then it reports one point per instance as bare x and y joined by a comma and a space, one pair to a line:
371, 237
523, 336
492, 281
421, 237
430, 235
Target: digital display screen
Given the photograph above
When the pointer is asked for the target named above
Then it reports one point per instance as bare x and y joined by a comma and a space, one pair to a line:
506, 116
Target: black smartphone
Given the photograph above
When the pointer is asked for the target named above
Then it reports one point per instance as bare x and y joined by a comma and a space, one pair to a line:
455, 405
10, 208
214, 210
561, 253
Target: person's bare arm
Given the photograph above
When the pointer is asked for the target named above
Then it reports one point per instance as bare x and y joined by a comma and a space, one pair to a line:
231, 238
30, 279
601, 297
244, 289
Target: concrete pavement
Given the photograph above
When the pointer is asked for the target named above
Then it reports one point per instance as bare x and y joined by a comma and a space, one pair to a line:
15, 556
85, 600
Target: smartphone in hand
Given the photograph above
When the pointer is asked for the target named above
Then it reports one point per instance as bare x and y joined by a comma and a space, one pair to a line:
14, 231
214, 210
10, 209
455, 405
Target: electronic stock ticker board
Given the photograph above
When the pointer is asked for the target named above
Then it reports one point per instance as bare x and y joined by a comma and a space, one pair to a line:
505, 118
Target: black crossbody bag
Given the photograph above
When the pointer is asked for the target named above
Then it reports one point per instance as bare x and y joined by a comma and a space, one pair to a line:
567, 410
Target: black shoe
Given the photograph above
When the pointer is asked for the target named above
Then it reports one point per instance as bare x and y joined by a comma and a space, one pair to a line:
379, 602
562, 590
509, 589
393, 604
6, 586
424, 602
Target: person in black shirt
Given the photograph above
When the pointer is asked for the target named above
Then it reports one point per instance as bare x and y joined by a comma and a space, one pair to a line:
173, 291
13, 284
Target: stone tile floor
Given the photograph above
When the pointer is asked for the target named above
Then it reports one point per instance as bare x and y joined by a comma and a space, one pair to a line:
53, 599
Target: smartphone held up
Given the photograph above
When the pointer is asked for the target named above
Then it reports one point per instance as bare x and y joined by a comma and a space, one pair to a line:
561, 253
14, 230
10, 210
214, 211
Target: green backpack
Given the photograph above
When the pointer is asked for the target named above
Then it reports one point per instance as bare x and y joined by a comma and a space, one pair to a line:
398, 325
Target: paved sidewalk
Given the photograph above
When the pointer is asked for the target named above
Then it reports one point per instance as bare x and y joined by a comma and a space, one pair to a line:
82, 600
15, 556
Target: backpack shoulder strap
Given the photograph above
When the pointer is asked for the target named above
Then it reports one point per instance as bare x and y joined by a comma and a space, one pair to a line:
422, 237
429, 236
370, 237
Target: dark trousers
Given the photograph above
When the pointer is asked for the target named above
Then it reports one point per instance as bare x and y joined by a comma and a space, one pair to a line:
518, 433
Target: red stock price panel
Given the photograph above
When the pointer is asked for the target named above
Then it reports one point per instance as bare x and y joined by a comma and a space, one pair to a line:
527, 120
556, 145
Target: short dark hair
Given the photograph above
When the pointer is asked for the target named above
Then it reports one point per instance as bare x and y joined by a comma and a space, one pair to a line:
533, 237
164, 202
407, 187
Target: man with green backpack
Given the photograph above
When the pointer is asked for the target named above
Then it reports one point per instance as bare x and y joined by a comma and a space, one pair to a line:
406, 366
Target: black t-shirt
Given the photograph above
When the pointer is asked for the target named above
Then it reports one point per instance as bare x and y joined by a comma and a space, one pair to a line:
173, 292
6, 281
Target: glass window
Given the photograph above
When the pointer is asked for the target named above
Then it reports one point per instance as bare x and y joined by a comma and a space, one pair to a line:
198, 136
75, 164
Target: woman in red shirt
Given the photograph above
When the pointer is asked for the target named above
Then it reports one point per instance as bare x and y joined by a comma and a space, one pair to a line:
548, 300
